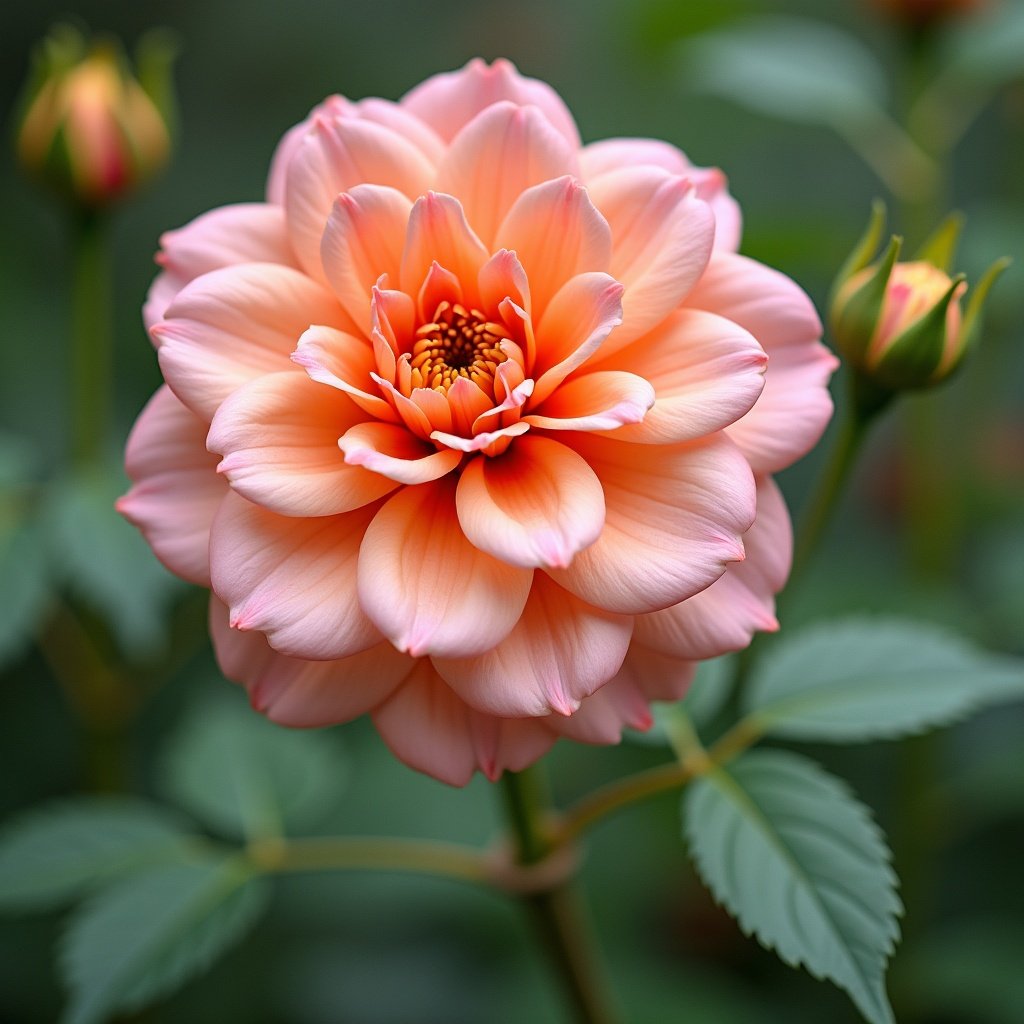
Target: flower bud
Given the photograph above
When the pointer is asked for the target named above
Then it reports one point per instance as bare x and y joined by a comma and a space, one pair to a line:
90, 130
899, 324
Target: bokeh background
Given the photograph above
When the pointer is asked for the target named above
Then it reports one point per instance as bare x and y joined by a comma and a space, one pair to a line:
386, 949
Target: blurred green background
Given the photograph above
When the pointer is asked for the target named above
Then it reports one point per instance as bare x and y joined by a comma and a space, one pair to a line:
406, 950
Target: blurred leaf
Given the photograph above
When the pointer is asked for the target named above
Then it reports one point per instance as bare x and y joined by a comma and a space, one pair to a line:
24, 579
705, 698
106, 562
798, 861
790, 68
146, 935
53, 854
861, 679
990, 48
18, 461
247, 777
24, 587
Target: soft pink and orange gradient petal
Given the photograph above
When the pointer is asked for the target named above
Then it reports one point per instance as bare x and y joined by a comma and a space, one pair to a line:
470, 427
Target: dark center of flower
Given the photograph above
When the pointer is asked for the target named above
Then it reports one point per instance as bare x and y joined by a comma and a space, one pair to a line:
458, 343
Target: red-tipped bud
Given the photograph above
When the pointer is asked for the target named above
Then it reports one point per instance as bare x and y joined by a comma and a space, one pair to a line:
899, 324
89, 129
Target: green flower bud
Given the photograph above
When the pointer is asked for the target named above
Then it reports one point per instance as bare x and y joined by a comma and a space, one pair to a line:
899, 324
89, 129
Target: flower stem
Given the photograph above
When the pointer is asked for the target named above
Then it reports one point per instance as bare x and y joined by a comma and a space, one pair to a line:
91, 337
558, 912
694, 760
823, 501
368, 853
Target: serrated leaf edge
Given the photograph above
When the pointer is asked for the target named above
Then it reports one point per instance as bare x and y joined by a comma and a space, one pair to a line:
733, 788
234, 874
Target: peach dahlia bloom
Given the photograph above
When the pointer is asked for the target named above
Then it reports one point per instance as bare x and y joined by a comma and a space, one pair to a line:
471, 427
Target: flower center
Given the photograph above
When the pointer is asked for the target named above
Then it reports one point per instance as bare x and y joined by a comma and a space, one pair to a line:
458, 343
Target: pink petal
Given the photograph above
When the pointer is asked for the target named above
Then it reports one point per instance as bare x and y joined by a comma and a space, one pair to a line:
426, 587
611, 155
300, 693
449, 101
438, 233
243, 233
503, 277
363, 239
291, 143
337, 154
662, 237
536, 505
345, 362
234, 324
395, 454
497, 156
726, 615
707, 372
560, 651
402, 122
656, 676
604, 400
176, 488
575, 325
292, 579
490, 442
432, 730
467, 402
674, 518
279, 438
795, 407
378, 111
557, 233
619, 704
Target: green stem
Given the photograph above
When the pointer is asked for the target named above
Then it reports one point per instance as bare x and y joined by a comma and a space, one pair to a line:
612, 797
557, 912
368, 853
830, 487
91, 338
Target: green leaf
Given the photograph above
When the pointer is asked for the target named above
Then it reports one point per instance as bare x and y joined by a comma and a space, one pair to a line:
106, 562
798, 861
988, 49
24, 587
245, 776
147, 934
863, 679
24, 576
53, 854
19, 462
789, 68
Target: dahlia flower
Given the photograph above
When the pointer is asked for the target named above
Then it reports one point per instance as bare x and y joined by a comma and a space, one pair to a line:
472, 427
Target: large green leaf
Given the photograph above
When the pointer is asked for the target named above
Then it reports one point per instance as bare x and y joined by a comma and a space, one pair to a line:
53, 854
145, 935
798, 861
247, 777
106, 562
790, 68
862, 679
